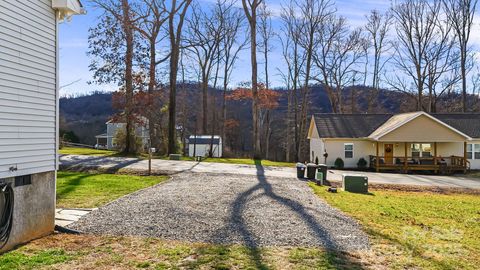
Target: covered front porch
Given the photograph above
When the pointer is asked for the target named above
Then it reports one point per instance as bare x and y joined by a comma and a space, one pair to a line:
438, 157
419, 142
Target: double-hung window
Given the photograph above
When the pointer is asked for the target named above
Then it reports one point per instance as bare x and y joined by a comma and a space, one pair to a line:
473, 151
348, 147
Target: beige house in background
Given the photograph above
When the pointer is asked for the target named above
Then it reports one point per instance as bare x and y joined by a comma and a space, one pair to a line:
403, 142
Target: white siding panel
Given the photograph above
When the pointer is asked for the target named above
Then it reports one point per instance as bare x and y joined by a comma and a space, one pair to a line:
33, 98
36, 68
27, 87
29, 90
25, 57
25, 19
32, 26
6, 143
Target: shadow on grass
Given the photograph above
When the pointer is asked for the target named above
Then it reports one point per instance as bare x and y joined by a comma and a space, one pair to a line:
70, 186
239, 224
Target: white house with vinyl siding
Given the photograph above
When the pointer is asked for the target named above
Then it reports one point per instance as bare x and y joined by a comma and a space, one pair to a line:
29, 110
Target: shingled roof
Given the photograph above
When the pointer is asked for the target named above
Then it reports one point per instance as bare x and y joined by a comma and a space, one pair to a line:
348, 125
362, 125
468, 123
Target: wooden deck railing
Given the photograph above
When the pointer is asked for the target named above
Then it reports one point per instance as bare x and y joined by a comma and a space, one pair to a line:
437, 164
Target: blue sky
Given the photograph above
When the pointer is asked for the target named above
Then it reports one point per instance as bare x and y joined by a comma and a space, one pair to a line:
74, 45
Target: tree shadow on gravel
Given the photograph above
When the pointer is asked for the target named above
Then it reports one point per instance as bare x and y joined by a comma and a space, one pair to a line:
239, 224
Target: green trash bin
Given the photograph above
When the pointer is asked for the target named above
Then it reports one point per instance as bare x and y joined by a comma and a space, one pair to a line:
323, 168
319, 178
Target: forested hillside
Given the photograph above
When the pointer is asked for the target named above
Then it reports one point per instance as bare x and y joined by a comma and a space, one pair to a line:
86, 115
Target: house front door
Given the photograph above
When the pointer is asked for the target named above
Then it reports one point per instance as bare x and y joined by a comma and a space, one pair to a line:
388, 148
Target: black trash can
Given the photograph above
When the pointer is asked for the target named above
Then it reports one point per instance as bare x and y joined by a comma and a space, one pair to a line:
323, 168
311, 170
301, 170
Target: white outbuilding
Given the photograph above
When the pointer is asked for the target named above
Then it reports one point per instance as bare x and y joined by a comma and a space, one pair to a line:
200, 145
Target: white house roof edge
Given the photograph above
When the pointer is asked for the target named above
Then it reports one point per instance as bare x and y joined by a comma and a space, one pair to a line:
67, 8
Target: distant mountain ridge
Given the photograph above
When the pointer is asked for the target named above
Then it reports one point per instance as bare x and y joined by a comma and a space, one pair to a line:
86, 115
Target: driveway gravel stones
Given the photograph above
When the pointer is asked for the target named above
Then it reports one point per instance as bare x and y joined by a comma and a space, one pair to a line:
250, 210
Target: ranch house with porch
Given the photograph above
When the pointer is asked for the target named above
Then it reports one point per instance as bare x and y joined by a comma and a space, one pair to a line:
415, 141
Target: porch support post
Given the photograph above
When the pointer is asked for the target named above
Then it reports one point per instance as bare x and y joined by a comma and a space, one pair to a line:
465, 157
435, 156
405, 162
377, 161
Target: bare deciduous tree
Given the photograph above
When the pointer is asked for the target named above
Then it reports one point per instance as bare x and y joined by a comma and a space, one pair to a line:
121, 12
294, 57
232, 44
176, 19
313, 14
205, 30
377, 27
250, 8
266, 34
460, 14
416, 23
442, 65
338, 52
153, 17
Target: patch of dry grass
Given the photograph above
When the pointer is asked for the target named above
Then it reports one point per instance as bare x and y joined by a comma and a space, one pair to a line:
107, 252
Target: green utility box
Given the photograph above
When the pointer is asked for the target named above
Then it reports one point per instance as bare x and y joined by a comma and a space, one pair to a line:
174, 156
355, 183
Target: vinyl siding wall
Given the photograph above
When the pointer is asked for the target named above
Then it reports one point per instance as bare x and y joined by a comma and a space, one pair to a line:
28, 96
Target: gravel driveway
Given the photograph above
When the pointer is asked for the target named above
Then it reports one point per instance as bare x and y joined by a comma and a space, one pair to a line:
250, 210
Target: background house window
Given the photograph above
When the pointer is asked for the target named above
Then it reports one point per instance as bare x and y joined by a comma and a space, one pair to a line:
348, 150
421, 150
473, 151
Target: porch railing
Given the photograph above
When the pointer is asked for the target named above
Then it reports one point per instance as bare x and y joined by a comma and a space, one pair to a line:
446, 164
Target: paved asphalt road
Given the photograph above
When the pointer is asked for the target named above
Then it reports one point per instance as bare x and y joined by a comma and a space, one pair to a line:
172, 167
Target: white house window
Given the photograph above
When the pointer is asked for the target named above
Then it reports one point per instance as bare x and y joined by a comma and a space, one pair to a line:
473, 151
348, 150
421, 150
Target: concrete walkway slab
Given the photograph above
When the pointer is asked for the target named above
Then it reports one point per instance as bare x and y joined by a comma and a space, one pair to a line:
65, 217
114, 164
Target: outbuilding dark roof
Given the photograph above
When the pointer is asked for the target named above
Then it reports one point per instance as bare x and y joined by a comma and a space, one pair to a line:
332, 125
362, 125
203, 140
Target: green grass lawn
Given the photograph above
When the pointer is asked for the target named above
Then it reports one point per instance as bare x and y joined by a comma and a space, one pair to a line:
107, 252
86, 151
416, 229
83, 190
